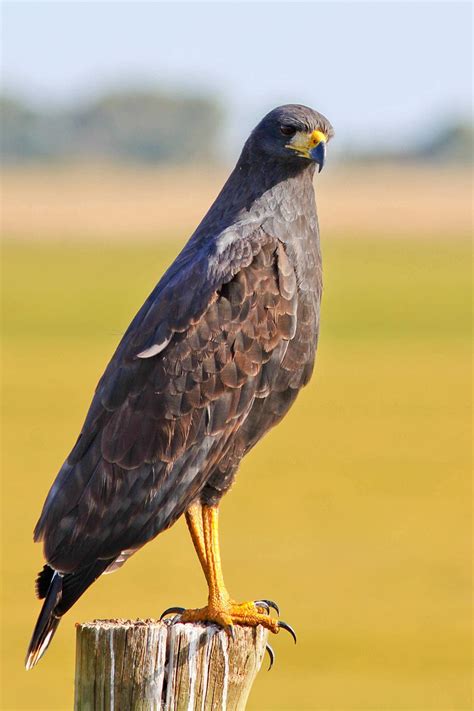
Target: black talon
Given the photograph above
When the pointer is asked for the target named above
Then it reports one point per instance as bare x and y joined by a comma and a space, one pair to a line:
169, 610
264, 604
269, 603
289, 629
271, 654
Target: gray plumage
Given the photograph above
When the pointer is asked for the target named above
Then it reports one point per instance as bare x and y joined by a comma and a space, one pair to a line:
214, 358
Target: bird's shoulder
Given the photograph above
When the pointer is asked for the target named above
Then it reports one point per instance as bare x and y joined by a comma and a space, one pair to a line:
242, 287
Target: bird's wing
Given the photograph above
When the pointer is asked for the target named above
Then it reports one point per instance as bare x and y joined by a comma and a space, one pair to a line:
179, 386
281, 378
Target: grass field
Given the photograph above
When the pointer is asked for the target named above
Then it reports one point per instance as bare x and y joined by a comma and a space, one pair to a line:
366, 542
87, 202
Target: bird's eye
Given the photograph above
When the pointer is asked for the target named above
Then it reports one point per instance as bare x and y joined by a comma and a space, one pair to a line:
287, 130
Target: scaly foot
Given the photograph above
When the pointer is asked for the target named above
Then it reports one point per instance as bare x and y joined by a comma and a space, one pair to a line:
227, 613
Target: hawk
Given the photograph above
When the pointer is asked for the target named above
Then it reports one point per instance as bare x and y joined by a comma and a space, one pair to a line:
214, 358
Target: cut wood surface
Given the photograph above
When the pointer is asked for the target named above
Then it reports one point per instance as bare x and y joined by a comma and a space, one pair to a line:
144, 664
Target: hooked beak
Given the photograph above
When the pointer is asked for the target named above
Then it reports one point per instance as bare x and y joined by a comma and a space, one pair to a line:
318, 154
310, 145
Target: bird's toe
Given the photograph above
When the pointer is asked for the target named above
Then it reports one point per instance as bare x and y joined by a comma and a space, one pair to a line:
172, 611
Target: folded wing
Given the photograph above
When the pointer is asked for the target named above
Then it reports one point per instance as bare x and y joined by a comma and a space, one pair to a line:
205, 346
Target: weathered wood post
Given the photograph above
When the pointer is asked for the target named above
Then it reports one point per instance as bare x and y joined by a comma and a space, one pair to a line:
145, 665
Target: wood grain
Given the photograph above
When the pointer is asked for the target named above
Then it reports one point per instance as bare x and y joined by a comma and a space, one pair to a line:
147, 665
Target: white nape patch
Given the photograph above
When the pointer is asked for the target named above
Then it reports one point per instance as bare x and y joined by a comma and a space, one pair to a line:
154, 349
225, 686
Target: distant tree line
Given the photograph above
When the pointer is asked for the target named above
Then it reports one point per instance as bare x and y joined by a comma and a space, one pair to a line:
128, 125
151, 126
451, 142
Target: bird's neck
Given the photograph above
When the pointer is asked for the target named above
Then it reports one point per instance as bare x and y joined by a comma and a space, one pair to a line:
259, 191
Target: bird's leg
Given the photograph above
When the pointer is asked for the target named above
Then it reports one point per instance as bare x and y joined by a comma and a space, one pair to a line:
195, 526
218, 595
220, 608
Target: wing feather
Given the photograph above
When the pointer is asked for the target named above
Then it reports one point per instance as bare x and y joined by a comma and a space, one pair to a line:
171, 407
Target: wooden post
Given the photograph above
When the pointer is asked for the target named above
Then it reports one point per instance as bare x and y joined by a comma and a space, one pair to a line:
145, 665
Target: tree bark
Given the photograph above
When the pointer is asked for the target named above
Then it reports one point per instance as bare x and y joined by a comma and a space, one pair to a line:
146, 665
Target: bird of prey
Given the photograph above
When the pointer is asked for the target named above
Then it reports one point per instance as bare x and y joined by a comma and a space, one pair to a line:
214, 358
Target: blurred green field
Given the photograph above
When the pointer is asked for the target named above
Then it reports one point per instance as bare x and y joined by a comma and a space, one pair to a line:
366, 541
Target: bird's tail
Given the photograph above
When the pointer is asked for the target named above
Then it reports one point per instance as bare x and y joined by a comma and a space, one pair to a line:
60, 592
48, 619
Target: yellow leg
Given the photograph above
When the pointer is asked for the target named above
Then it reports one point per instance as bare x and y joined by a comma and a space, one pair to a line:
220, 608
215, 579
194, 521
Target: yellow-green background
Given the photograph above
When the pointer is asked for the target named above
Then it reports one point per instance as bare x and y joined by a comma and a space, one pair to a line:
354, 514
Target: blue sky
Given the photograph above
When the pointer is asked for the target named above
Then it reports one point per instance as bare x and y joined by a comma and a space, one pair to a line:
382, 72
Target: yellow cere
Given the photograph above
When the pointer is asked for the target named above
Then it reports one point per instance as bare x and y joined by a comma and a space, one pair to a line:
316, 137
303, 142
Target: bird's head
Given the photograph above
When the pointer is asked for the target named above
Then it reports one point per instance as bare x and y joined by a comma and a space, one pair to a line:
294, 133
